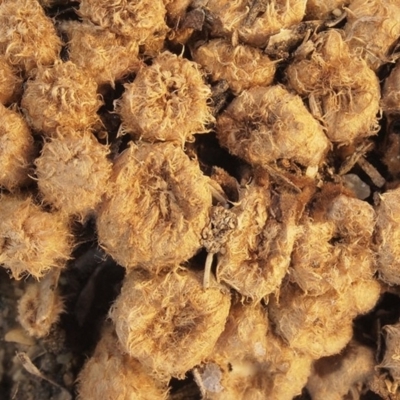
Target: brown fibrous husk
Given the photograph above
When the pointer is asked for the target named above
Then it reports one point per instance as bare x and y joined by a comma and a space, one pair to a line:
17, 150
111, 374
241, 66
391, 360
265, 124
94, 50
255, 21
343, 92
10, 82
32, 241
176, 9
61, 96
391, 92
167, 101
322, 9
169, 322
142, 21
156, 205
28, 38
72, 172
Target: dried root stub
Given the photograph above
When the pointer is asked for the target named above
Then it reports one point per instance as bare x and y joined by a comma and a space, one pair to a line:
155, 208
343, 92
169, 322
72, 172
94, 50
167, 101
265, 124
32, 241
111, 374
28, 38
142, 21
10, 82
62, 95
17, 149
372, 29
254, 21
391, 92
322, 9
241, 66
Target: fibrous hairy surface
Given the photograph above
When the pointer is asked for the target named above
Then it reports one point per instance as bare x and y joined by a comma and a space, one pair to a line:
372, 28
169, 322
94, 50
321, 9
176, 9
167, 101
16, 149
265, 124
31, 241
111, 374
156, 205
62, 95
10, 82
28, 37
72, 172
254, 21
142, 21
391, 360
335, 377
241, 66
391, 91
342, 91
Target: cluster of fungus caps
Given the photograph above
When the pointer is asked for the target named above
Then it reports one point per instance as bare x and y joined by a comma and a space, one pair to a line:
292, 259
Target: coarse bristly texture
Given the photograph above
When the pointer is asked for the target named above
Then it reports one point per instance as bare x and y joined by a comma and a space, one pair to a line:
167, 101
241, 66
142, 21
72, 172
10, 82
157, 203
32, 241
391, 360
62, 95
169, 322
111, 374
28, 38
321, 9
265, 124
17, 149
342, 91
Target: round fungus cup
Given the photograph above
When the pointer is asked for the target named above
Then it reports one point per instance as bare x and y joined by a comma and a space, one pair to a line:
167, 101
155, 208
62, 95
169, 322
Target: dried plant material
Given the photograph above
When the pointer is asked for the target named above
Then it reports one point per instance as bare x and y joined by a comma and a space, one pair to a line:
10, 82
392, 150
103, 55
322, 9
32, 241
360, 189
343, 92
168, 322
72, 172
111, 374
142, 21
176, 9
28, 38
372, 29
241, 66
61, 96
41, 305
391, 92
265, 124
388, 237
17, 149
335, 377
156, 206
391, 360
167, 101
254, 21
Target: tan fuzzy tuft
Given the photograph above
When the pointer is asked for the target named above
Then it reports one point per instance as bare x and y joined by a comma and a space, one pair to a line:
31, 241
167, 101
72, 173
264, 124
176, 9
94, 50
10, 82
142, 21
169, 322
322, 9
111, 374
241, 66
343, 92
61, 96
156, 206
28, 37
17, 149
